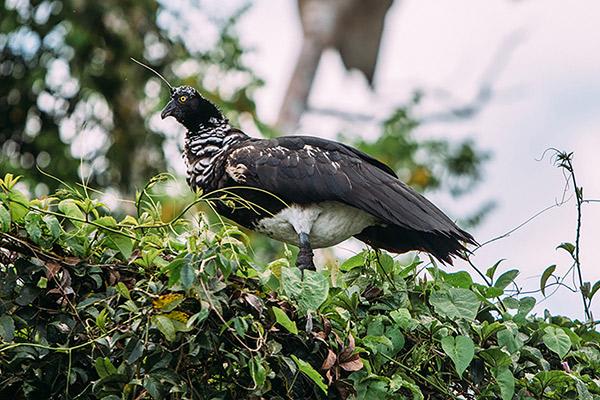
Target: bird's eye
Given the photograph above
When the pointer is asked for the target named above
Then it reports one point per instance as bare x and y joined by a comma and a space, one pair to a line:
182, 99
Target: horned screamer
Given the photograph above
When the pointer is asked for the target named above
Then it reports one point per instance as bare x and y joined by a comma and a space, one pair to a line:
307, 191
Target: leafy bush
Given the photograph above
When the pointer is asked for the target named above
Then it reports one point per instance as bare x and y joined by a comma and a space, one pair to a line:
95, 307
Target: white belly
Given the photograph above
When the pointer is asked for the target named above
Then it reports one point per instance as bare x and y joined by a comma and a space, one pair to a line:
327, 223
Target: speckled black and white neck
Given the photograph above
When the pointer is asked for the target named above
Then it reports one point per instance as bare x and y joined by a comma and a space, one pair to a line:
204, 147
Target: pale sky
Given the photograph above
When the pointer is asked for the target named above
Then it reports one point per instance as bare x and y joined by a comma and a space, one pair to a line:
548, 95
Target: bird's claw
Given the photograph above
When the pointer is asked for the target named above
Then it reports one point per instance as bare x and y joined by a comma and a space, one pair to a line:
305, 260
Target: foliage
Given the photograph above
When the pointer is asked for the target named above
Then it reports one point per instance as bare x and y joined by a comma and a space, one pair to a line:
92, 307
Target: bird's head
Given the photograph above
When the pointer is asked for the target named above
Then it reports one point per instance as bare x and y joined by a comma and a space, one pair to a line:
189, 108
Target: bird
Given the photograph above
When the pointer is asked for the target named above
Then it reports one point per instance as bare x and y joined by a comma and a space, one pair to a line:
307, 191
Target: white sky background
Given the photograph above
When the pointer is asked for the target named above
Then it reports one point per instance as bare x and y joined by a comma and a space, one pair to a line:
547, 96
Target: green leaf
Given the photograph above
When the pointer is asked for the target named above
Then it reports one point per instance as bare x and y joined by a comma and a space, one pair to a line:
376, 326
397, 338
511, 302
283, 320
197, 318
122, 290
174, 270
545, 276
526, 304
403, 319
533, 353
53, 226
7, 328
506, 382
33, 226
240, 325
488, 292
398, 382
135, 349
410, 268
104, 367
553, 378
510, 341
42, 282
373, 387
152, 385
101, 320
27, 295
461, 351
460, 279
257, 371
4, 219
496, 357
123, 243
488, 329
187, 275
386, 262
310, 372
308, 292
594, 290
455, 303
582, 390
568, 247
106, 221
377, 344
18, 205
353, 262
97, 278
491, 271
506, 279
557, 341
71, 210
129, 220
165, 325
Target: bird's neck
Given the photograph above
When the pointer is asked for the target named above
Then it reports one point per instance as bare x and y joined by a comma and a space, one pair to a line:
205, 145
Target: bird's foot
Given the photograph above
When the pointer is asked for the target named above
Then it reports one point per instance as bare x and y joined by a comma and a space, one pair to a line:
305, 260
305, 256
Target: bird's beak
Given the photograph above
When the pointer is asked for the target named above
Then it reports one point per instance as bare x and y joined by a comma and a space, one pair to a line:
169, 109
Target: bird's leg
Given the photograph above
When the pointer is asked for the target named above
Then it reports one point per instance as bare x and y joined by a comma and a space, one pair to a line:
305, 256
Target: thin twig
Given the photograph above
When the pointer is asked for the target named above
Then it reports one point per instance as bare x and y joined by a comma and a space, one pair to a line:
528, 220
566, 163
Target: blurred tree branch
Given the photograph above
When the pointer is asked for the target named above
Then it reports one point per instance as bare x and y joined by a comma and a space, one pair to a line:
352, 27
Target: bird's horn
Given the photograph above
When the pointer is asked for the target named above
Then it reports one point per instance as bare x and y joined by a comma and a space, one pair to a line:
153, 70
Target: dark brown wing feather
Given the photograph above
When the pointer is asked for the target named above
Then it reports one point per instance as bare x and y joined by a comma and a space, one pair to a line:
308, 169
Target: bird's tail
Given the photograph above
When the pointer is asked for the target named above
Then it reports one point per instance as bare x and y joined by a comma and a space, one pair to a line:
442, 245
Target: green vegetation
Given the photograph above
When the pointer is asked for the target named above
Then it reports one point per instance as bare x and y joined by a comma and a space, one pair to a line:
134, 308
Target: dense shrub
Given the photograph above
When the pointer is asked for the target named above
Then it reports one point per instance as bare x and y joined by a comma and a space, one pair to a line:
97, 307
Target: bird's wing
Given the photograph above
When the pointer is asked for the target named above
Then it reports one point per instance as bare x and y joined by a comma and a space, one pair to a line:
307, 169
